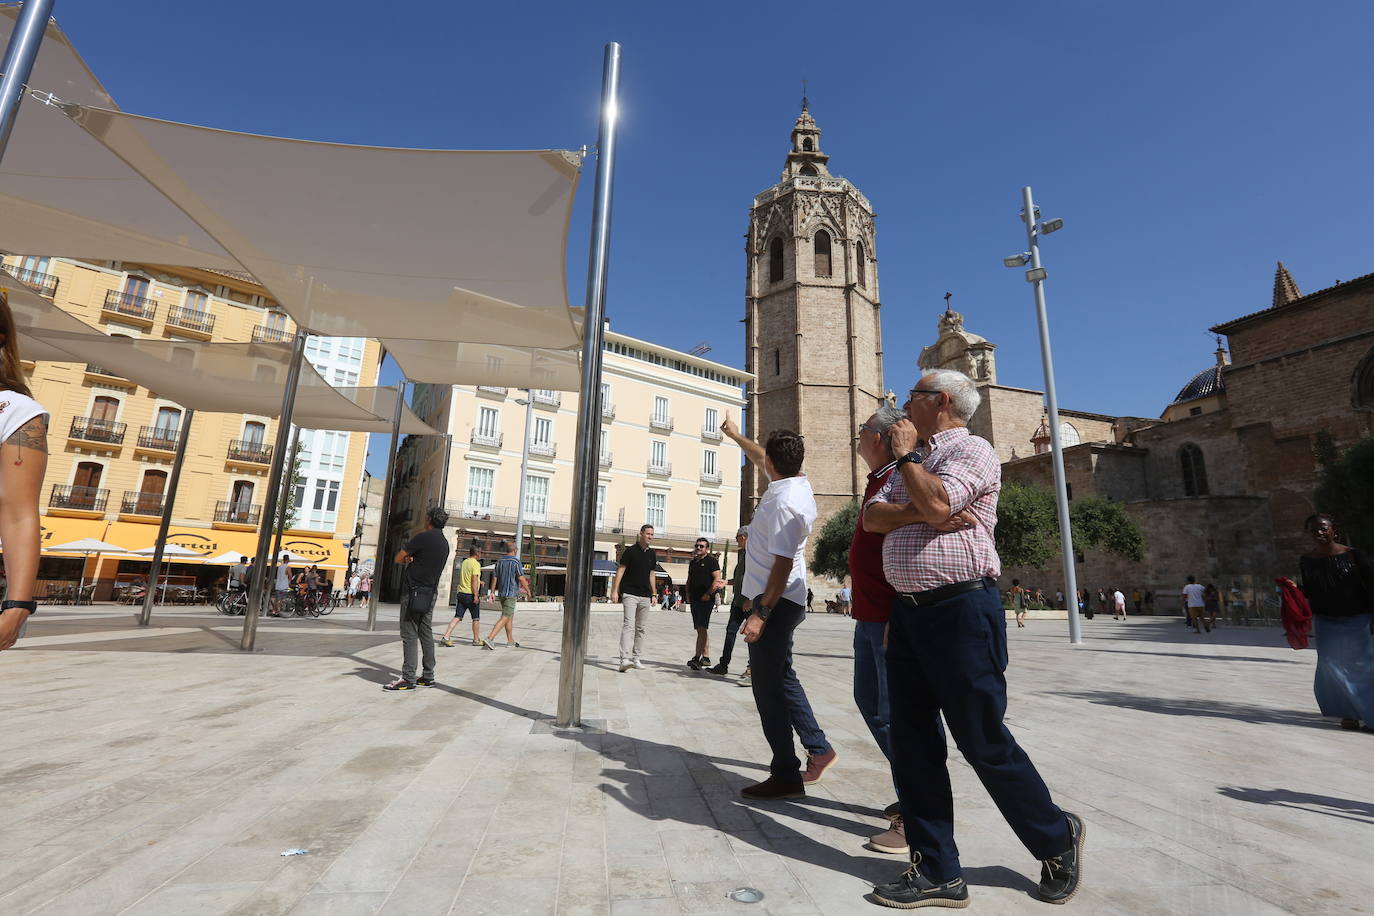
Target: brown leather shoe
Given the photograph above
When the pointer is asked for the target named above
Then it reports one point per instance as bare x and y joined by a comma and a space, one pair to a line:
772, 787
816, 765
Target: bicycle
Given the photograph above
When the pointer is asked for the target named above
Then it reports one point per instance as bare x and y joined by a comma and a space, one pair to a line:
233, 603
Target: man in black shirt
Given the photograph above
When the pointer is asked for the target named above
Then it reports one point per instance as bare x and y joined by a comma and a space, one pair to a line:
423, 560
703, 581
634, 588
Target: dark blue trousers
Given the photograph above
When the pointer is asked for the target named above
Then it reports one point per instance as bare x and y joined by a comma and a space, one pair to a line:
778, 695
950, 658
737, 616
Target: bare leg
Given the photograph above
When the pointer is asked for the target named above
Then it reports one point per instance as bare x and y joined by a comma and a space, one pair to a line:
476, 630
701, 642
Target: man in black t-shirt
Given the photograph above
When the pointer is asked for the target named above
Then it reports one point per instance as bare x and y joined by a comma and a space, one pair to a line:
703, 581
634, 588
423, 561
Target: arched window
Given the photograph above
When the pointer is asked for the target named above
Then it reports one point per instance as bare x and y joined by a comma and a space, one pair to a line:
775, 261
242, 497
1194, 470
253, 432
1068, 435
809, 170
1364, 382
86, 485
822, 243
861, 263
168, 422
150, 492
807, 145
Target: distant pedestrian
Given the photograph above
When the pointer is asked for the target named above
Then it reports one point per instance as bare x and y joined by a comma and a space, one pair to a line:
365, 588
1211, 604
737, 603
422, 562
237, 579
810, 595
1149, 601
633, 589
1102, 601
1136, 599
465, 598
1339, 583
354, 581
1059, 599
1193, 598
1085, 603
508, 583
703, 581
281, 591
844, 597
1018, 602
1118, 604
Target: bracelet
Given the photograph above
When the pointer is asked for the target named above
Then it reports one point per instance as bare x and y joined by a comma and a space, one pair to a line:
30, 606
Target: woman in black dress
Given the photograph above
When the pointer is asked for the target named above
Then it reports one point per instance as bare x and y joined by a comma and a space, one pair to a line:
1339, 584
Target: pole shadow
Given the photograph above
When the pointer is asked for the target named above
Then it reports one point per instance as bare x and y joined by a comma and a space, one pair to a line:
1344, 808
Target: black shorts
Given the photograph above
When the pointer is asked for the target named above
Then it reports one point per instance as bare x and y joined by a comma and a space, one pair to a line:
463, 602
701, 614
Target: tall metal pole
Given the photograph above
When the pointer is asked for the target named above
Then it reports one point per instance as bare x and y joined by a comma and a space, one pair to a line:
443, 479
582, 528
290, 465
1061, 494
386, 507
258, 592
524, 477
168, 498
17, 64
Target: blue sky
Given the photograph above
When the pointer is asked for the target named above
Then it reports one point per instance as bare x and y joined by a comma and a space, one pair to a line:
1188, 146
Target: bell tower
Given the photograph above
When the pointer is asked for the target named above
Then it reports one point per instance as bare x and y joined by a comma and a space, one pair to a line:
813, 338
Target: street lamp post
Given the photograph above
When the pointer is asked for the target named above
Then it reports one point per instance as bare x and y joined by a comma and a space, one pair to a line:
528, 401
1035, 275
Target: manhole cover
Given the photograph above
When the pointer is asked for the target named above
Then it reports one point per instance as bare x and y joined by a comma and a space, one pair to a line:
746, 895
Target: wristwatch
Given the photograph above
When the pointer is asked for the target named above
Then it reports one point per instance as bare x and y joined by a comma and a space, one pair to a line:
908, 458
760, 608
30, 606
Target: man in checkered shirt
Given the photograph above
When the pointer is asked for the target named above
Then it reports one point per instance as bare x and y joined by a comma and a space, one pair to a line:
947, 651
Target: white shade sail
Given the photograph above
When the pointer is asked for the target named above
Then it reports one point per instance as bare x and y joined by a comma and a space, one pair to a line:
452, 363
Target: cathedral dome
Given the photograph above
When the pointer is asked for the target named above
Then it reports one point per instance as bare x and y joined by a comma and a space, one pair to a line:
1206, 383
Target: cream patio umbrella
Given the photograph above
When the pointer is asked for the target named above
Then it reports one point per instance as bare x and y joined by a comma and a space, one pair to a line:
86, 547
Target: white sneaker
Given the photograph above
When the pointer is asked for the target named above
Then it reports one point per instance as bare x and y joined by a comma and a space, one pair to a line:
626, 664
637, 663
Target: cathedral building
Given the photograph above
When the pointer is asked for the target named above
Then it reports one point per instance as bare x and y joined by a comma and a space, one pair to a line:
812, 329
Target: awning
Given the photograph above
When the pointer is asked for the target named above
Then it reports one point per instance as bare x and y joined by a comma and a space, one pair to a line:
206, 543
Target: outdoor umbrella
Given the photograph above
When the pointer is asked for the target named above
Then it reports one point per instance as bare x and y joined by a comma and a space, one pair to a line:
168, 550
228, 558
87, 546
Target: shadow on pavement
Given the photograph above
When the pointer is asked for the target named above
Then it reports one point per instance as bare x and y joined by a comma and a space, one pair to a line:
1207, 709
1345, 808
1206, 658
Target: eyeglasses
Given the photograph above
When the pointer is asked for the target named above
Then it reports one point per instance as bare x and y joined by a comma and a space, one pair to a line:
871, 429
916, 391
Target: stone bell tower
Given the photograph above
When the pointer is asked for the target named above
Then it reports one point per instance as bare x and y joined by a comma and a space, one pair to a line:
813, 337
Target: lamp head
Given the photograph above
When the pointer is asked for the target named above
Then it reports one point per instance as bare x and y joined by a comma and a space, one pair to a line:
1051, 225
1016, 260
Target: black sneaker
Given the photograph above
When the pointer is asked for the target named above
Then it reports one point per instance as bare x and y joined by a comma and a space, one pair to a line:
705, 662
424, 682
1060, 875
913, 890
694, 663
399, 684
722, 669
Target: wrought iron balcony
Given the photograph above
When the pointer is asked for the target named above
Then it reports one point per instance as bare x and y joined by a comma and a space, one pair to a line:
264, 333
493, 389
93, 430
544, 449
605, 459
489, 440
191, 319
130, 305
93, 369
711, 432
607, 412
711, 477
65, 496
661, 423
158, 437
234, 513
547, 398
249, 451
139, 503
43, 284
664, 469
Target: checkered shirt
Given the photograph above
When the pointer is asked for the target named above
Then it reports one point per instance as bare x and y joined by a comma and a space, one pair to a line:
916, 557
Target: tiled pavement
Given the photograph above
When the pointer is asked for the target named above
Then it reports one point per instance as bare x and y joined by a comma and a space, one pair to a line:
161, 770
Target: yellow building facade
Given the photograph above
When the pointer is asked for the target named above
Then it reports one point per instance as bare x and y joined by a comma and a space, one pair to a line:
112, 442
662, 461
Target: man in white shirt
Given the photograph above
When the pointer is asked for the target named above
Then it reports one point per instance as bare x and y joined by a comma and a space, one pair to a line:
1118, 604
775, 585
1194, 603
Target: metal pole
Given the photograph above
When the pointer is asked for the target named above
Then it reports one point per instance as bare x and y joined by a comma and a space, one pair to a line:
581, 530
258, 591
443, 479
1061, 493
146, 615
524, 476
17, 64
386, 508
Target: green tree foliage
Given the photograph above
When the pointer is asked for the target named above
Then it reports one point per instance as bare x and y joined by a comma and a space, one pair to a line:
1345, 491
292, 477
832, 546
1028, 526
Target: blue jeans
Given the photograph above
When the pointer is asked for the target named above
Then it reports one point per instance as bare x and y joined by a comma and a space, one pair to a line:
781, 701
950, 658
870, 681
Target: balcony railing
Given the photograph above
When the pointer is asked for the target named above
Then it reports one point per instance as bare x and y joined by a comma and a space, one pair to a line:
43, 284
93, 369
662, 423
130, 305
93, 430
65, 496
664, 469
547, 398
158, 437
711, 432
605, 459
264, 333
493, 389
544, 449
139, 503
608, 411
490, 440
234, 513
191, 319
711, 477
249, 451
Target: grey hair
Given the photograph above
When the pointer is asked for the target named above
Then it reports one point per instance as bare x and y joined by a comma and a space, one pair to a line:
963, 394
885, 416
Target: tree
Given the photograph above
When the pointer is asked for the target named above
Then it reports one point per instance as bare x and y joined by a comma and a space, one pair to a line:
1104, 525
292, 478
1345, 491
832, 545
1028, 526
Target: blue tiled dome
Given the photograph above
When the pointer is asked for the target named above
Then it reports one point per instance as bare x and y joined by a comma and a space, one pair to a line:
1207, 382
